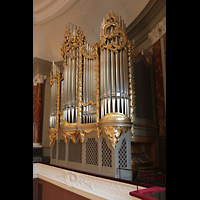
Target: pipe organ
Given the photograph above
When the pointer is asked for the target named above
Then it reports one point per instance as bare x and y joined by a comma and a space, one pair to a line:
94, 90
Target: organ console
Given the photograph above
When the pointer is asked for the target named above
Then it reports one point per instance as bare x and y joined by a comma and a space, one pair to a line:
95, 89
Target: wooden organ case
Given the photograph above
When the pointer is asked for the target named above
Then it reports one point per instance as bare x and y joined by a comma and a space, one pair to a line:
92, 102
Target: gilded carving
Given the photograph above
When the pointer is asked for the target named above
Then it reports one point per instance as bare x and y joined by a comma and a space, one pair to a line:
51, 137
70, 42
89, 103
70, 134
131, 47
111, 20
73, 134
114, 133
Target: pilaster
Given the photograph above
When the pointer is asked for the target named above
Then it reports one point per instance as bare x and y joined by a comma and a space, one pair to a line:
38, 82
158, 41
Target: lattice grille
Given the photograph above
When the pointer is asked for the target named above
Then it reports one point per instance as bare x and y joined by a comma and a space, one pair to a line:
75, 152
143, 91
122, 154
61, 150
106, 154
54, 150
91, 152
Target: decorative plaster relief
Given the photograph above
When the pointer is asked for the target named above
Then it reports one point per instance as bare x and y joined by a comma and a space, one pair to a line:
84, 184
39, 79
157, 32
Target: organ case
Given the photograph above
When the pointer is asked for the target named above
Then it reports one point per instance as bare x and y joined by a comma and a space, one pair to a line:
95, 89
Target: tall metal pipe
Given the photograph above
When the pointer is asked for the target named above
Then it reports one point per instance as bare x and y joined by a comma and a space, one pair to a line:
87, 84
117, 72
72, 85
101, 73
65, 85
94, 90
113, 77
92, 86
122, 81
84, 87
101, 82
52, 93
69, 89
105, 80
93, 97
127, 83
89, 75
66, 89
61, 95
117, 94
75, 86
108, 77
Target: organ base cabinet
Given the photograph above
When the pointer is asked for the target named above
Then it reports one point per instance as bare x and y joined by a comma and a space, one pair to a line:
94, 155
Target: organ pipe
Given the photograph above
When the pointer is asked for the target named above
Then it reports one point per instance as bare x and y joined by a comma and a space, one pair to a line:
102, 82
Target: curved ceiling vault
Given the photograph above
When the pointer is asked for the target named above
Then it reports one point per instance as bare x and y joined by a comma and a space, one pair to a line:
50, 17
47, 10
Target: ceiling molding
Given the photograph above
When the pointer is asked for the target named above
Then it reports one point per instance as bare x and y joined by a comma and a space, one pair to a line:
41, 66
138, 30
41, 5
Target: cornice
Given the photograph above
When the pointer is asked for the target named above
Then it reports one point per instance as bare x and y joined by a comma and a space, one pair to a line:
41, 67
138, 30
144, 12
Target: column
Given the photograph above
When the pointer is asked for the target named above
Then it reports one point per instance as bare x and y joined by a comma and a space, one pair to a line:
34, 103
37, 109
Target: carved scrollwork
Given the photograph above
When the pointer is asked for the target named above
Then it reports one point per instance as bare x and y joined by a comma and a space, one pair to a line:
94, 51
73, 135
70, 134
114, 133
70, 42
88, 103
51, 137
109, 40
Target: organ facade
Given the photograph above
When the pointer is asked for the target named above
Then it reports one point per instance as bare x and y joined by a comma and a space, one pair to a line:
92, 122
